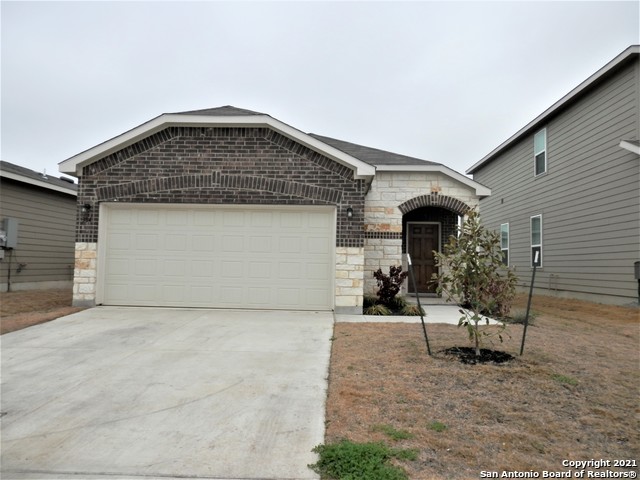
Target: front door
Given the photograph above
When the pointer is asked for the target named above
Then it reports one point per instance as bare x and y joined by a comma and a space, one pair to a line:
422, 241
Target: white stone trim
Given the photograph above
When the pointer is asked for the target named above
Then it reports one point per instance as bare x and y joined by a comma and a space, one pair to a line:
349, 280
480, 189
84, 274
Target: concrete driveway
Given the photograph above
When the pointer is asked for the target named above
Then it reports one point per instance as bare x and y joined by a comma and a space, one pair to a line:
125, 393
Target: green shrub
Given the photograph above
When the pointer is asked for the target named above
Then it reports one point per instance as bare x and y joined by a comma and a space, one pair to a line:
397, 303
360, 461
377, 309
369, 301
412, 310
518, 317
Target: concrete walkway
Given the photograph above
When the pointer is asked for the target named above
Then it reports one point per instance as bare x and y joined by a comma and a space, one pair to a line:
449, 314
132, 393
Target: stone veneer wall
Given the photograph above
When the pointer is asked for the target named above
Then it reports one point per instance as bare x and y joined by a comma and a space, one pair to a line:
84, 274
349, 279
392, 194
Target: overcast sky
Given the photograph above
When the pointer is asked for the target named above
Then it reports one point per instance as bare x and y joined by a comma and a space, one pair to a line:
442, 81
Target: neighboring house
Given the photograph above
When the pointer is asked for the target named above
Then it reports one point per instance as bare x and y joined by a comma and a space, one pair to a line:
231, 208
38, 222
567, 186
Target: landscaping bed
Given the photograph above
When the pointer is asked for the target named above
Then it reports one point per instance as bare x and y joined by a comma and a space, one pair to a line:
573, 395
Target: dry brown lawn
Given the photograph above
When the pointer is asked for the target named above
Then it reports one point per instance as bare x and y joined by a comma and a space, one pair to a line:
573, 395
25, 308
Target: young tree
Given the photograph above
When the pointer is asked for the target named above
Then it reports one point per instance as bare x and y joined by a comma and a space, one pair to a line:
471, 273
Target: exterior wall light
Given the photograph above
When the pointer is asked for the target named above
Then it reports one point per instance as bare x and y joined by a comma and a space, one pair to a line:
85, 212
349, 212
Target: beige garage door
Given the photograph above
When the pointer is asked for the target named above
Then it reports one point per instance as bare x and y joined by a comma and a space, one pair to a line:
203, 256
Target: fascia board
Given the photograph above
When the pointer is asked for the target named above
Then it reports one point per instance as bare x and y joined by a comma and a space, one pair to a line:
630, 146
480, 189
38, 183
74, 164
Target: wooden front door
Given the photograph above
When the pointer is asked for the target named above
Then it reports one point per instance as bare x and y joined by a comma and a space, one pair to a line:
422, 240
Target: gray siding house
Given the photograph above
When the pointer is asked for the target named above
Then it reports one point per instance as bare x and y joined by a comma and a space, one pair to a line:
38, 214
567, 186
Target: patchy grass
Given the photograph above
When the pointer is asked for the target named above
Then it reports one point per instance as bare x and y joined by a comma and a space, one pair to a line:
392, 433
573, 394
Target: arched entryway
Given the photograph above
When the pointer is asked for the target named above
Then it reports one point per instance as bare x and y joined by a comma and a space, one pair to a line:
427, 223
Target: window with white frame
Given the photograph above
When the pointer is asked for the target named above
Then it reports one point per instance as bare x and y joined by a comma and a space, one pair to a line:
540, 152
504, 243
536, 240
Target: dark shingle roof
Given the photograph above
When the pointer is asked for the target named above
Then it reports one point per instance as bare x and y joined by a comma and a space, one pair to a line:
372, 156
226, 111
28, 173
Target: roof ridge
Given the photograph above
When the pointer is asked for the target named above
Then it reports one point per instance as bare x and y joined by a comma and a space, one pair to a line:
225, 110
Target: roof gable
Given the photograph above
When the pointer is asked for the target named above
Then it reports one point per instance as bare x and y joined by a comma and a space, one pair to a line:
227, 116
394, 162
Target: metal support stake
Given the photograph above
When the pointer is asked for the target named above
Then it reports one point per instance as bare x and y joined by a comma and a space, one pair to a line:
526, 317
415, 288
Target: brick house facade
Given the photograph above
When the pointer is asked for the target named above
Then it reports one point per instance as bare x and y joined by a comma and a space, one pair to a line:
234, 157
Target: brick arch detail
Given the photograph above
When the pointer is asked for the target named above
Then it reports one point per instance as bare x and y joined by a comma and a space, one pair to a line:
219, 180
443, 201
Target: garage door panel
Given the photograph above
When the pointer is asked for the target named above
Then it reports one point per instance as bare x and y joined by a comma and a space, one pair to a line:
289, 245
202, 268
232, 243
289, 297
242, 257
260, 244
118, 266
174, 268
319, 221
203, 243
146, 242
233, 219
201, 295
318, 271
317, 296
258, 296
146, 267
261, 219
148, 217
175, 242
173, 293
317, 245
232, 269
260, 271
291, 221
119, 241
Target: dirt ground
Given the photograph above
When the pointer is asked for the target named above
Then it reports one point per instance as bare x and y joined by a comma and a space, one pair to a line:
25, 308
573, 395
